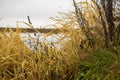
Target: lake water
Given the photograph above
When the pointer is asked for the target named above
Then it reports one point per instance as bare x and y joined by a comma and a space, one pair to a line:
32, 39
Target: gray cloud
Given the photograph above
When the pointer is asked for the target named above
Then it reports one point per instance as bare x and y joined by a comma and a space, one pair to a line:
37, 9
31, 7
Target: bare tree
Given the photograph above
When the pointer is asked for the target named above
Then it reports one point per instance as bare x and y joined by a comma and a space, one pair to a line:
106, 9
110, 18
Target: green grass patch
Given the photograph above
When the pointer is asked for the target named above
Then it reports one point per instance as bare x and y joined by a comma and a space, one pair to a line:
102, 64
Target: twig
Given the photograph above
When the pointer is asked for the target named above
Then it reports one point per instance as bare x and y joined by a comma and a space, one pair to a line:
29, 20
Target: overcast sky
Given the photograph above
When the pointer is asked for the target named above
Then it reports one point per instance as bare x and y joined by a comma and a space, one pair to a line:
38, 10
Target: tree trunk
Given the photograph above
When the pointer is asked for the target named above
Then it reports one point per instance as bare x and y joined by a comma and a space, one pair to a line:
109, 17
104, 23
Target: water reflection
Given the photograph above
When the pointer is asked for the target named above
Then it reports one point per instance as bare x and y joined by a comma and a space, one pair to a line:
33, 40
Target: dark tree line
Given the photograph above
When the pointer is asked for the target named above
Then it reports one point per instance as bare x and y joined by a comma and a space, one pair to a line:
108, 17
109, 6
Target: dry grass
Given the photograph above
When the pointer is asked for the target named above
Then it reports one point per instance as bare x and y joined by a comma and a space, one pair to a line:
76, 40
17, 62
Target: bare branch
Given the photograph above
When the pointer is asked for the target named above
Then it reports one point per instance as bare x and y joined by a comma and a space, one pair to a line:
29, 20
